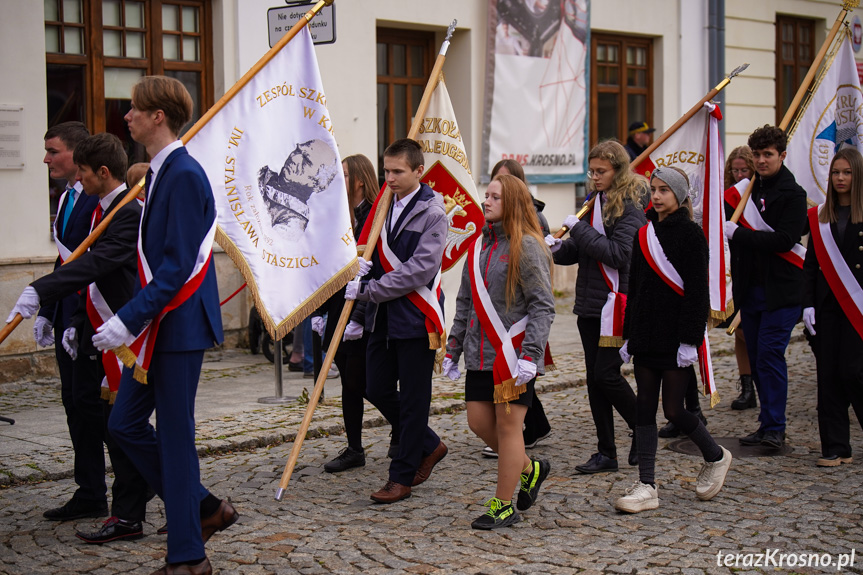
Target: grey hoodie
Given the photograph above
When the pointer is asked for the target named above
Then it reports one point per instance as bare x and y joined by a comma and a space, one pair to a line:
533, 297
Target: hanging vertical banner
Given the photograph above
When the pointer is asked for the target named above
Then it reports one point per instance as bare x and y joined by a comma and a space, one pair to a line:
282, 205
447, 171
832, 120
536, 88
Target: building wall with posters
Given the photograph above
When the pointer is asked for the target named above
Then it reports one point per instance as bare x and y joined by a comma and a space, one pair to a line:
674, 32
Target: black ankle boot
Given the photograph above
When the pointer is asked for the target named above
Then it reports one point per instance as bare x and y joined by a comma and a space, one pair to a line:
746, 399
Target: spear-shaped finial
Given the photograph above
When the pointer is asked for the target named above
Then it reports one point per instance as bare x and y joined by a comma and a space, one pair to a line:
738, 70
449, 31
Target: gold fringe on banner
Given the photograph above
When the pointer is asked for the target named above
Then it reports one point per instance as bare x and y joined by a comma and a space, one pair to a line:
105, 394
717, 317
714, 399
311, 303
507, 391
610, 341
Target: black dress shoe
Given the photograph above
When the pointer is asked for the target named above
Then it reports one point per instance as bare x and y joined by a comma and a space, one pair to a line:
163, 530
773, 439
113, 529
752, 438
597, 463
669, 430
76, 509
348, 458
295, 366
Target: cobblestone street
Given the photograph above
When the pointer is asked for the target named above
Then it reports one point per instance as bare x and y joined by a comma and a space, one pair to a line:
327, 523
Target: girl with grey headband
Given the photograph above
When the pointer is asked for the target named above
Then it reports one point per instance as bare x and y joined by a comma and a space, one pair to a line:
663, 329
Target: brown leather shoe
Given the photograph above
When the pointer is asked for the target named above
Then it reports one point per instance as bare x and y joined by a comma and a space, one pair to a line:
202, 568
224, 517
428, 462
391, 492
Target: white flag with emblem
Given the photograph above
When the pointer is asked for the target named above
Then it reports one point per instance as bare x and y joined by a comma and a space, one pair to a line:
832, 120
281, 200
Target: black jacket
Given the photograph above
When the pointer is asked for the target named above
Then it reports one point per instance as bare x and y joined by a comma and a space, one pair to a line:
816, 290
111, 262
754, 260
657, 319
586, 246
334, 305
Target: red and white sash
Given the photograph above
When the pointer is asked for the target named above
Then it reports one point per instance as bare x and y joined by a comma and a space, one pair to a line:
752, 219
506, 342
145, 342
61, 249
839, 277
99, 312
658, 261
611, 322
425, 299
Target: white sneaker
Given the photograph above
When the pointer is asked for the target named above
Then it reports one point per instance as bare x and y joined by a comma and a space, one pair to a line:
333, 372
712, 476
639, 497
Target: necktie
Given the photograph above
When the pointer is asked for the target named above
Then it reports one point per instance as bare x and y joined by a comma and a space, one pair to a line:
67, 210
148, 181
97, 217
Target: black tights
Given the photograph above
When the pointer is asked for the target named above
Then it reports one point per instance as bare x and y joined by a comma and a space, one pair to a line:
673, 384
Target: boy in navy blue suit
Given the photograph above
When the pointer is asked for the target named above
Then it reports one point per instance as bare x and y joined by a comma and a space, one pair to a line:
176, 303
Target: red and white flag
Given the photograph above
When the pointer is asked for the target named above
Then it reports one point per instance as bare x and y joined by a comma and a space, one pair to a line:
696, 149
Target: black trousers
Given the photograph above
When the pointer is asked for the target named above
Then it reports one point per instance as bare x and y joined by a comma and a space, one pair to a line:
839, 360
80, 391
351, 361
130, 492
606, 388
398, 383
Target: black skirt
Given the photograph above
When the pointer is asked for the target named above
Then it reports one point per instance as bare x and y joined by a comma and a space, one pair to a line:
479, 386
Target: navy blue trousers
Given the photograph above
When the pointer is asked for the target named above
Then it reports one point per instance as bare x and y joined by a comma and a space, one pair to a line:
398, 383
166, 456
767, 335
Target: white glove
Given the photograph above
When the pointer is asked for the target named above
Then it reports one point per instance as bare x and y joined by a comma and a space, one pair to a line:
553, 243
352, 289
27, 304
43, 331
111, 334
686, 355
526, 372
318, 325
365, 266
450, 368
70, 342
809, 319
571, 221
354, 330
624, 352
730, 228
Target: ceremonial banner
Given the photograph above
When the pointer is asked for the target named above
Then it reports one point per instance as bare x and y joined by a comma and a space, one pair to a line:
832, 120
447, 171
536, 88
696, 149
276, 174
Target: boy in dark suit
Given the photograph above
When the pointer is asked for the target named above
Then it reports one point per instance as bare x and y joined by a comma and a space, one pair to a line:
176, 303
71, 226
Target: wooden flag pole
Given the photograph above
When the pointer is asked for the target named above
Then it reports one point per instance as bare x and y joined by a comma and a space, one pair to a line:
665, 135
374, 234
215, 109
789, 115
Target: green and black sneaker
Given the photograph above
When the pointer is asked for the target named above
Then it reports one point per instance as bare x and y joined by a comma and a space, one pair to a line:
498, 515
530, 483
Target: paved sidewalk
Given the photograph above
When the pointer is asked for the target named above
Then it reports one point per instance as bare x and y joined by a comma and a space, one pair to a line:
327, 524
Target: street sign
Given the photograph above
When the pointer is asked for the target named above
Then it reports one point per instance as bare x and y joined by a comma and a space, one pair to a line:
322, 26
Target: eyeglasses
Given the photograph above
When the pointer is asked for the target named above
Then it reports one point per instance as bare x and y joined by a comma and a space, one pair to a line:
593, 174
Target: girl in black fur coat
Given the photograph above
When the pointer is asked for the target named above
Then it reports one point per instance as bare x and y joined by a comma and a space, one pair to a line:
666, 316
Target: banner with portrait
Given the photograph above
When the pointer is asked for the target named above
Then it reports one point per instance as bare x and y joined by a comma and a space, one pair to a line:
536, 96
277, 177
